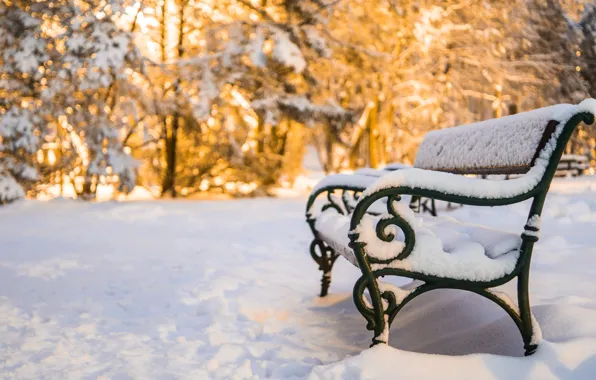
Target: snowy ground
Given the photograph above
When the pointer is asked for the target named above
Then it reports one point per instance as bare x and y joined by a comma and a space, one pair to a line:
226, 289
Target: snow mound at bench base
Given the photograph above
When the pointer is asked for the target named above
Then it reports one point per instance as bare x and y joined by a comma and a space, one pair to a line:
384, 362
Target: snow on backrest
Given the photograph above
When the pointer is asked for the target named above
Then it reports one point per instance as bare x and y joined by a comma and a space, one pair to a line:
507, 145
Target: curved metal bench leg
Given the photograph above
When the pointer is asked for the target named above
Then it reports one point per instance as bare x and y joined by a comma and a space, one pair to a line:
523, 320
415, 204
374, 312
420, 205
525, 313
433, 207
325, 257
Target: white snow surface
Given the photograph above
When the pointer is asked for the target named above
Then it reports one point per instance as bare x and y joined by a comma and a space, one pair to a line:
223, 290
503, 142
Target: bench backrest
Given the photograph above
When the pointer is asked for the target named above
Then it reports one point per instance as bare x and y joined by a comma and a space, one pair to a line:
507, 145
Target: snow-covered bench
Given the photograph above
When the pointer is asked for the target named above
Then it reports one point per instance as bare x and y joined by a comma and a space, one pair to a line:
442, 252
572, 165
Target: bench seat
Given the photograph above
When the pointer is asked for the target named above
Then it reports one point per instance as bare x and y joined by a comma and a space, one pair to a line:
444, 246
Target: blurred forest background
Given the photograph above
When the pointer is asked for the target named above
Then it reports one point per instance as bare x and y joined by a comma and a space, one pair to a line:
224, 96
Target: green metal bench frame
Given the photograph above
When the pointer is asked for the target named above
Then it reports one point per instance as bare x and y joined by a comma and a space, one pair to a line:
378, 316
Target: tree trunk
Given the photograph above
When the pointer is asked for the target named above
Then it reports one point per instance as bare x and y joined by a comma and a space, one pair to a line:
328, 165
171, 142
260, 137
373, 136
171, 130
354, 155
498, 109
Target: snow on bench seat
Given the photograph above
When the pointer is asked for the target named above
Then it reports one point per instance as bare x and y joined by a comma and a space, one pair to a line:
444, 246
345, 180
360, 179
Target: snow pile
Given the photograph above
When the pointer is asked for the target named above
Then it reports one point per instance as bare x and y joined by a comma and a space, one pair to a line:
383, 362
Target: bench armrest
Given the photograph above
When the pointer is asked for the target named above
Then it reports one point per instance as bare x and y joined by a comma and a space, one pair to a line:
457, 188
345, 183
430, 184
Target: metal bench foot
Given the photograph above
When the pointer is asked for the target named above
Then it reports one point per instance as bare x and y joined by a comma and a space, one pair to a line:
530, 349
325, 257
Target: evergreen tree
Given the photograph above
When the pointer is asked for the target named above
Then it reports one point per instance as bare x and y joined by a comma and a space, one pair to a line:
61, 66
